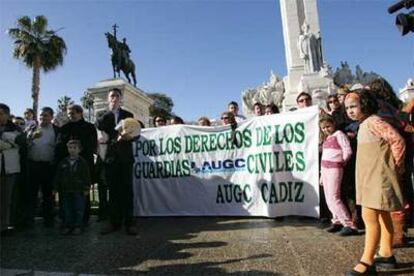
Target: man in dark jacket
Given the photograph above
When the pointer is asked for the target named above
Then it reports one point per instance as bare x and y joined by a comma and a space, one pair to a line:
118, 167
85, 132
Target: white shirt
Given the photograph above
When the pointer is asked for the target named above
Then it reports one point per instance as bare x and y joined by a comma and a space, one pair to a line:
239, 118
116, 114
43, 148
29, 123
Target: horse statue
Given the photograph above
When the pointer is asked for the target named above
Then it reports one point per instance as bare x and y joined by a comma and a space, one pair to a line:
120, 61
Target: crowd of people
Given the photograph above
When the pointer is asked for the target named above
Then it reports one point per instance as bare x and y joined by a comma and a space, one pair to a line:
366, 161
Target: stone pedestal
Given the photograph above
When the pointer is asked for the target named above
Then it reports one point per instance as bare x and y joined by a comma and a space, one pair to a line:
291, 82
133, 99
318, 86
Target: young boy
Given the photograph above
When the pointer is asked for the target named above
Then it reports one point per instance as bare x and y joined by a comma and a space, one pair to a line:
72, 183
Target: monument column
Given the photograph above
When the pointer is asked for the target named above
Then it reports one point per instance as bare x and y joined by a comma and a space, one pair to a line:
294, 14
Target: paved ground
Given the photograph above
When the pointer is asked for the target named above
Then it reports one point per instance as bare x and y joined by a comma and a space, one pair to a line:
191, 246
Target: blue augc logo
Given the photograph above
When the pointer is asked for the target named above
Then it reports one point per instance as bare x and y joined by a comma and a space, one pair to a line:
228, 165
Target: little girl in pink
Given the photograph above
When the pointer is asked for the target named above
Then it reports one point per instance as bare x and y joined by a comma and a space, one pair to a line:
336, 151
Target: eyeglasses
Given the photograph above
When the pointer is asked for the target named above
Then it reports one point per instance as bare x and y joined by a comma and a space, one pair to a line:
224, 118
304, 100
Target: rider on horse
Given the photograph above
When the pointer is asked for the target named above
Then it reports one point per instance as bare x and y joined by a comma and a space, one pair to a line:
120, 57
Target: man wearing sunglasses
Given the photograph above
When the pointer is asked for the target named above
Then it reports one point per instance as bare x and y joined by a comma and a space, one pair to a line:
160, 121
303, 100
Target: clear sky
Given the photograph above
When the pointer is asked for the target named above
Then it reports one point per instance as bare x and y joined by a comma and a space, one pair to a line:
202, 54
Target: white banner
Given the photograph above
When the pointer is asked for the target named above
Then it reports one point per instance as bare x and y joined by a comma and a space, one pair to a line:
267, 167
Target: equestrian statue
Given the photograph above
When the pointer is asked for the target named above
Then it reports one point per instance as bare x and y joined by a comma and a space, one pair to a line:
120, 58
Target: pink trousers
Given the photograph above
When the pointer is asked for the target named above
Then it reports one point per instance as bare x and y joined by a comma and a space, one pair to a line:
331, 180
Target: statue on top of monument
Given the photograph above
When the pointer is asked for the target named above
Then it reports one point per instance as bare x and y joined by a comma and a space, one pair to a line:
310, 49
120, 58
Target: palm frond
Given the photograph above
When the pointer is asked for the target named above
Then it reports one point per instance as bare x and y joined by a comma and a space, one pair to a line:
40, 25
24, 23
56, 49
13, 33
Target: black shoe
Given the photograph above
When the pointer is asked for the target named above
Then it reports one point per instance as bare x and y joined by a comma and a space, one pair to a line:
324, 220
49, 223
385, 262
28, 226
369, 271
101, 218
132, 230
334, 228
110, 228
66, 231
77, 231
8, 232
347, 231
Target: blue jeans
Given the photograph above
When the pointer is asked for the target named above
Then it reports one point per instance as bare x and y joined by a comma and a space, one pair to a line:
73, 205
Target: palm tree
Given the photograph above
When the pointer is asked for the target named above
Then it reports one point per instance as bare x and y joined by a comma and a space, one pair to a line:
38, 47
87, 101
63, 103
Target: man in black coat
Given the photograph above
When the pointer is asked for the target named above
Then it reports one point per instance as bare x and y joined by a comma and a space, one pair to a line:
79, 129
118, 161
